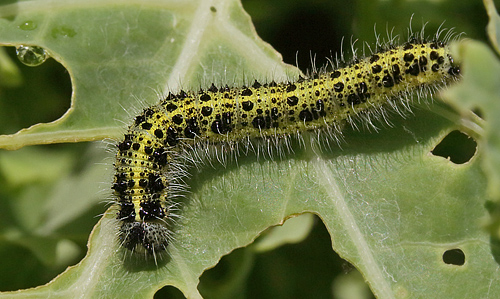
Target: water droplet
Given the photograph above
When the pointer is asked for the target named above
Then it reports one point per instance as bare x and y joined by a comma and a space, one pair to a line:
31, 55
62, 31
28, 25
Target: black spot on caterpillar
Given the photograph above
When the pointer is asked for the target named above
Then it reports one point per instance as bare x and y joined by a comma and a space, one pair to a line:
148, 162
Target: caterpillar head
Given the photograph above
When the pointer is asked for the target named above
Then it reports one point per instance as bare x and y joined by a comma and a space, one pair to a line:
150, 237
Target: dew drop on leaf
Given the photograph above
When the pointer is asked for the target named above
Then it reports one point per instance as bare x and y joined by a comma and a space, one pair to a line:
31, 55
28, 25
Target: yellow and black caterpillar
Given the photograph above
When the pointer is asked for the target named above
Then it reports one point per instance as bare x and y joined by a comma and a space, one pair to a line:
147, 161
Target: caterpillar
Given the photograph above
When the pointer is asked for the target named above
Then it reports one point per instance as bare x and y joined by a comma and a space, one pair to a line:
150, 160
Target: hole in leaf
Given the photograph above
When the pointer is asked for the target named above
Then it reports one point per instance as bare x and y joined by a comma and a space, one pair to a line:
169, 292
32, 95
478, 111
454, 257
456, 146
288, 271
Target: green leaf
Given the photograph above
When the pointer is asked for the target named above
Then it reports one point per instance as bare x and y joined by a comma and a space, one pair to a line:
130, 50
392, 208
480, 90
493, 25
